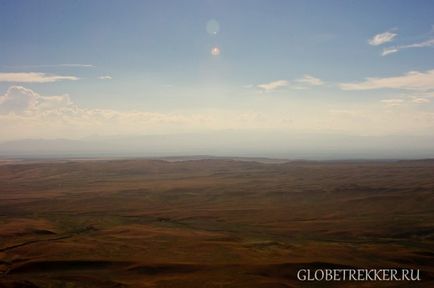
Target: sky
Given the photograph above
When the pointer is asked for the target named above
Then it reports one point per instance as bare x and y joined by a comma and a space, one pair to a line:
76, 69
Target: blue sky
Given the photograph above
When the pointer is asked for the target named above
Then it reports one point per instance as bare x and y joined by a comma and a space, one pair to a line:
283, 65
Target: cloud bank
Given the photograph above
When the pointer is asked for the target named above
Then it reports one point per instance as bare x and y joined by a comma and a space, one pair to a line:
26, 114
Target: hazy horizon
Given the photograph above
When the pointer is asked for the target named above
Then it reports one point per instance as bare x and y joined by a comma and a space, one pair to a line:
348, 77
228, 144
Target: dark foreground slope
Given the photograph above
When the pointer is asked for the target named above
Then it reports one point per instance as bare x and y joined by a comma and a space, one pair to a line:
211, 223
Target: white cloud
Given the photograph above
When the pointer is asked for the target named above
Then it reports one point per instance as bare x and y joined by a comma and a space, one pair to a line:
273, 85
299, 87
51, 66
423, 44
420, 100
413, 80
392, 102
390, 50
53, 102
410, 99
105, 77
382, 38
310, 80
77, 65
427, 43
33, 77
19, 100
302, 83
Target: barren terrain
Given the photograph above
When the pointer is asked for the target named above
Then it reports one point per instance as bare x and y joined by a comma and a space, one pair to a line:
211, 223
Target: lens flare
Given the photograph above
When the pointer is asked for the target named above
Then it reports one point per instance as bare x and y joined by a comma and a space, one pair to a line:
212, 27
215, 51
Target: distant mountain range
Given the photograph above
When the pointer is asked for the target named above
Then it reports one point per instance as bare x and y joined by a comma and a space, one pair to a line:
228, 143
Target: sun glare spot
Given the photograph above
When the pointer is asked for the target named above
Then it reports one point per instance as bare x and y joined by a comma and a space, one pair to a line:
215, 51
